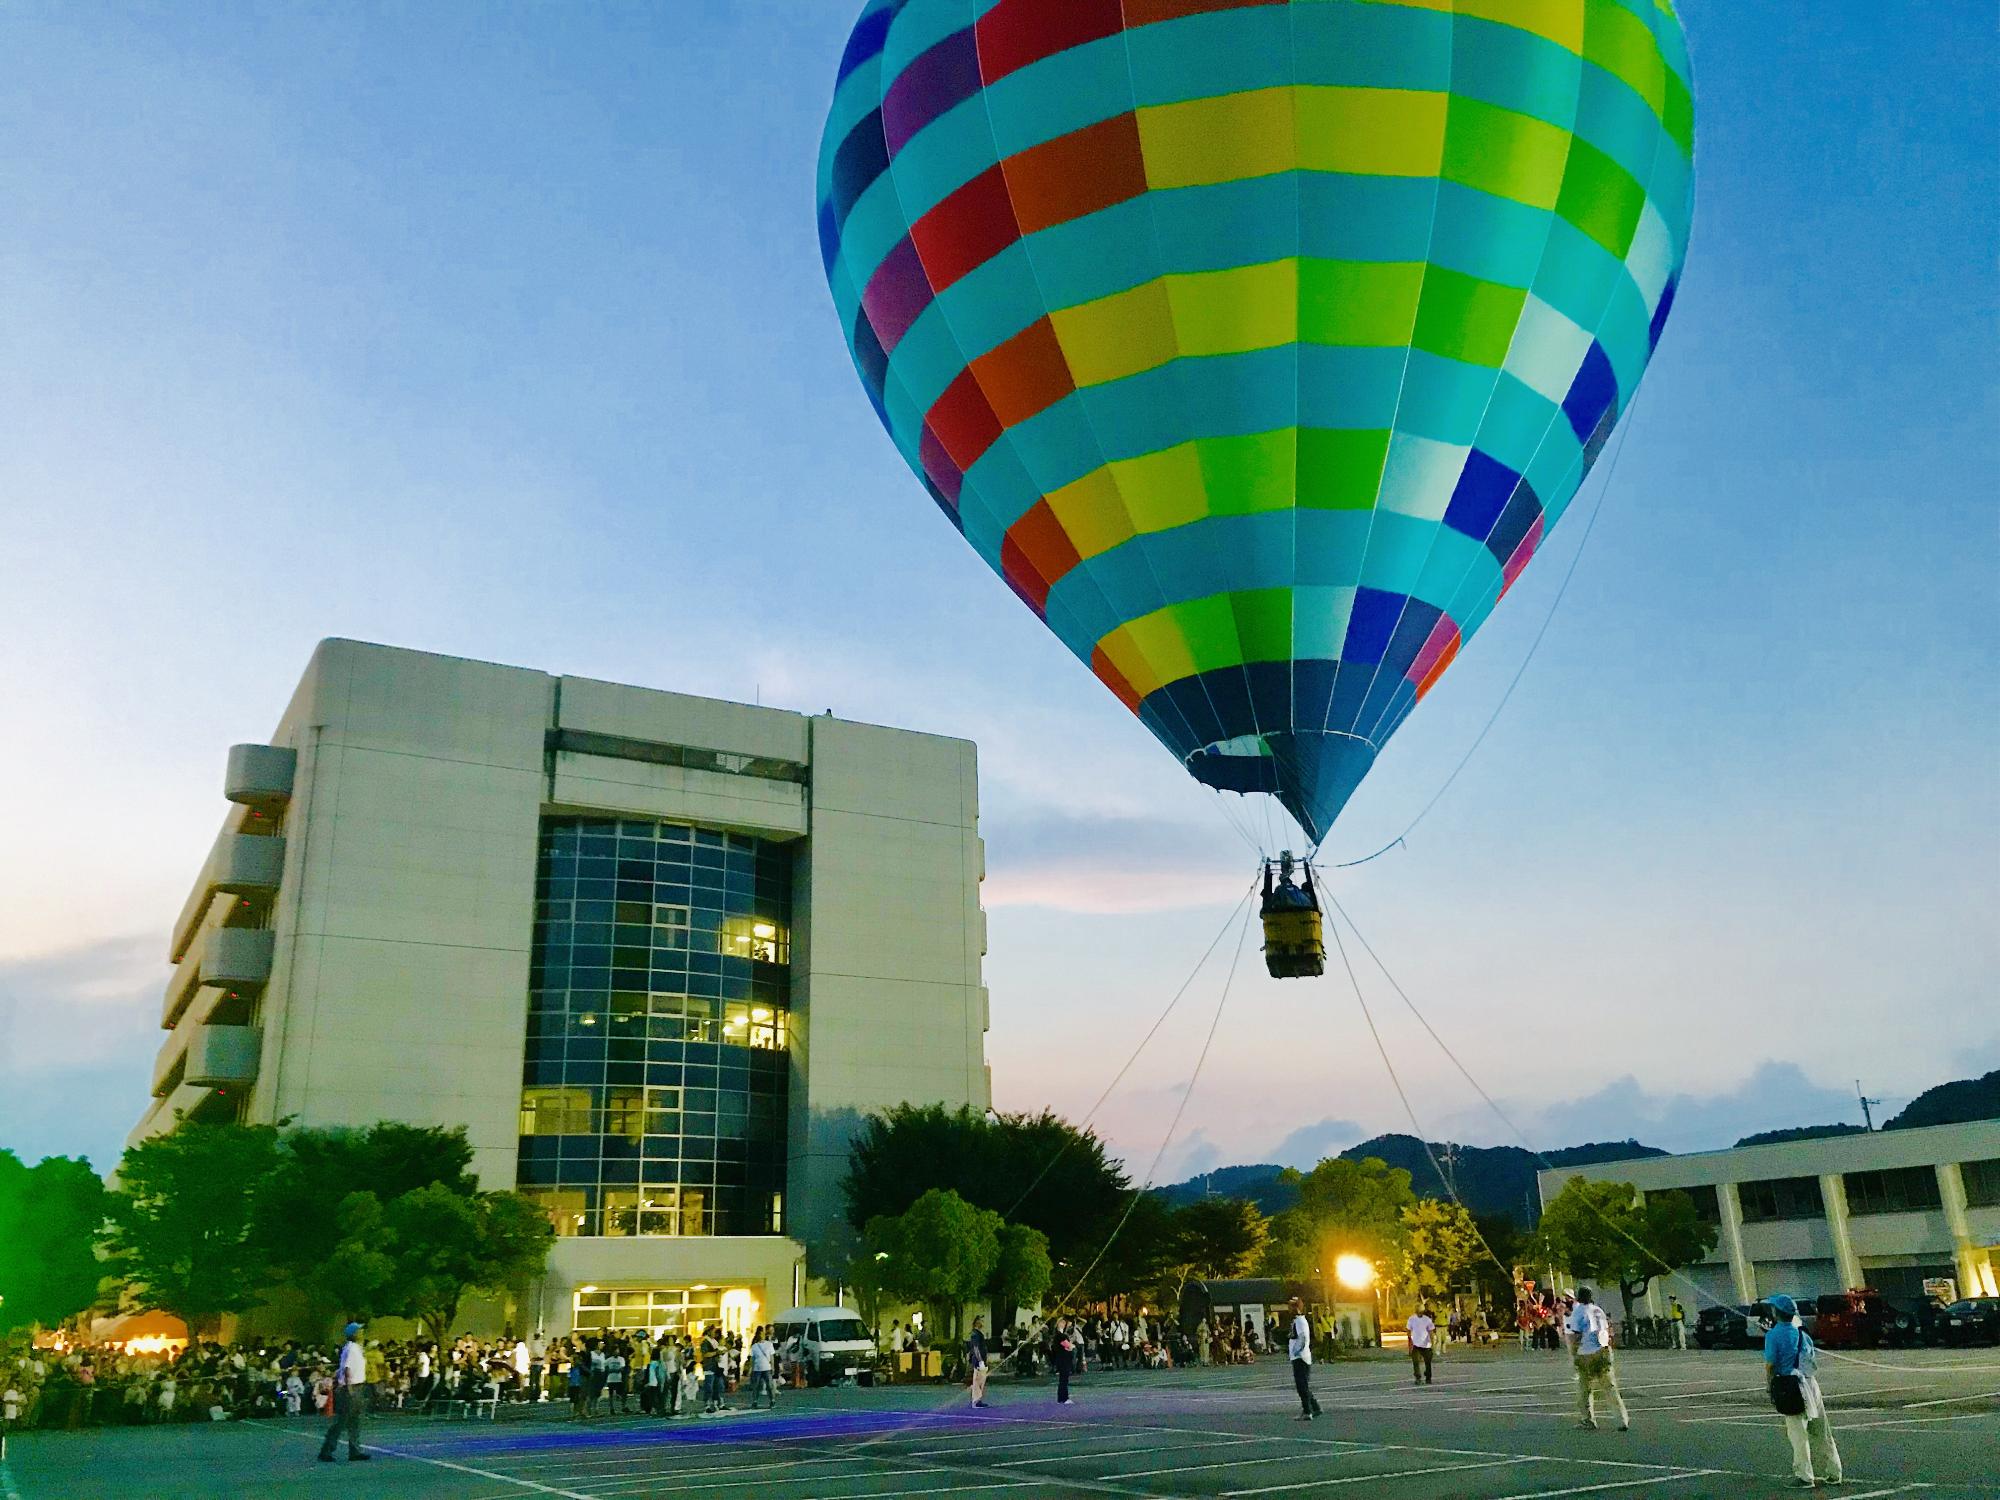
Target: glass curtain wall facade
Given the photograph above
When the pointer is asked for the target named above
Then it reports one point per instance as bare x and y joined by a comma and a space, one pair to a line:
653, 1101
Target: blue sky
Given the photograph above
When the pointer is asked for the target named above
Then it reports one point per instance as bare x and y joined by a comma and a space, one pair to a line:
501, 331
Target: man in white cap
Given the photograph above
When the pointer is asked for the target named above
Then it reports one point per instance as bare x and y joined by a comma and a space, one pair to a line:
350, 1394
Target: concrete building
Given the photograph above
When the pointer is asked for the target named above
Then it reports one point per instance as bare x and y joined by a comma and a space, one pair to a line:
1889, 1209
658, 955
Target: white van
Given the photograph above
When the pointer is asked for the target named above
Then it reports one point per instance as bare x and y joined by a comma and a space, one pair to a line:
832, 1343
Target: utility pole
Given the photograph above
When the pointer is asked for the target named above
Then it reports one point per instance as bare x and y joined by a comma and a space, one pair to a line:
1448, 1160
1867, 1106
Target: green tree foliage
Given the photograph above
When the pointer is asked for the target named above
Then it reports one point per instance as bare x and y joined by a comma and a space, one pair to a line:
1038, 1170
1344, 1208
1440, 1246
1211, 1238
1022, 1273
942, 1253
1135, 1260
1598, 1231
442, 1243
320, 1217
181, 1222
50, 1218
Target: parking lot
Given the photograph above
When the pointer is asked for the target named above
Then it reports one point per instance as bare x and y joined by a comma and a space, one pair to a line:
1495, 1426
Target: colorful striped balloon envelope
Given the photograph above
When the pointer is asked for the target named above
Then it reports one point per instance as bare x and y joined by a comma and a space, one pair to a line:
1257, 344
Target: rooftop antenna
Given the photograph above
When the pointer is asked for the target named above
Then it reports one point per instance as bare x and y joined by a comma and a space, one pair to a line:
1867, 1110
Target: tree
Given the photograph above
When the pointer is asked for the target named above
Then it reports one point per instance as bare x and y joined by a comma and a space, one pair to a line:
1344, 1208
181, 1221
1212, 1237
1440, 1245
942, 1253
1134, 1253
1601, 1231
1021, 1274
320, 1216
1037, 1170
442, 1243
50, 1218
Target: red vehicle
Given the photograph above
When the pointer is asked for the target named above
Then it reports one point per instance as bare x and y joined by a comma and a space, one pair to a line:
1855, 1319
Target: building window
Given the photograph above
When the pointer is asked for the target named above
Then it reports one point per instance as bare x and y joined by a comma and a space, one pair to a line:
1982, 1182
655, 1062
556, 1112
1900, 1190
755, 939
1781, 1198
1706, 1200
566, 1209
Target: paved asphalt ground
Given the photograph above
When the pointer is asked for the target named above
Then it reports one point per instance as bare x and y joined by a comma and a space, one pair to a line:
1495, 1426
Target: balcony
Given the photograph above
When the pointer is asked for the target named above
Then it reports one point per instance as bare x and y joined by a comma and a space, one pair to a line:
206, 1057
242, 864
227, 958
260, 775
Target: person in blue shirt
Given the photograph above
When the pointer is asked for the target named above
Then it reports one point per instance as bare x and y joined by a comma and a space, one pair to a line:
1790, 1354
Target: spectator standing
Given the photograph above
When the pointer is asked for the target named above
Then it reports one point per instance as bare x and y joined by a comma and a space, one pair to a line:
763, 1370
1062, 1354
1300, 1347
1791, 1359
1590, 1342
1678, 1316
524, 1370
1423, 1332
975, 1356
350, 1392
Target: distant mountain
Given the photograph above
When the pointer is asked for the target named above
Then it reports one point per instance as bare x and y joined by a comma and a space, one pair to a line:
1952, 1103
1490, 1179
1259, 1184
1799, 1133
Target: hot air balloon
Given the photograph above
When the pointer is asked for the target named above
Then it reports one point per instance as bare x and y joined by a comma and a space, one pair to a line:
1257, 344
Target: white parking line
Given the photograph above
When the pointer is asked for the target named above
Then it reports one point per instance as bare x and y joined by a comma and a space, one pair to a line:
1233, 1463
1619, 1484
1063, 1458
1321, 1484
1952, 1400
751, 1478
943, 1489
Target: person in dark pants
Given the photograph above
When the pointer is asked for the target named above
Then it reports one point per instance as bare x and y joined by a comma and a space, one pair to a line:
1423, 1334
1300, 1347
350, 1394
1062, 1354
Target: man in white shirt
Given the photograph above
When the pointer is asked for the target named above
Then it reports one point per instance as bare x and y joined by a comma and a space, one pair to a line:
350, 1394
763, 1365
1300, 1347
1423, 1332
1590, 1342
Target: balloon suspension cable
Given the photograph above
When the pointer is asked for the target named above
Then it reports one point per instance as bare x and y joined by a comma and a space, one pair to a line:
1665, 1270
1583, 541
1153, 1031
1423, 1137
1173, 1126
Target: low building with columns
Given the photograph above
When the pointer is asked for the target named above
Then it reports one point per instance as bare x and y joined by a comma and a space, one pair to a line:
1888, 1209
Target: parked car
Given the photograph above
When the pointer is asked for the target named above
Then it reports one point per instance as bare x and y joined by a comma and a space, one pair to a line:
1744, 1325
1858, 1319
1973, 1320
1913, 1321
1727, 1328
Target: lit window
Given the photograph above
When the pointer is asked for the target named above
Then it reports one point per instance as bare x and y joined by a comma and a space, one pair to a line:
753, 938
754, 1026
555, 1112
